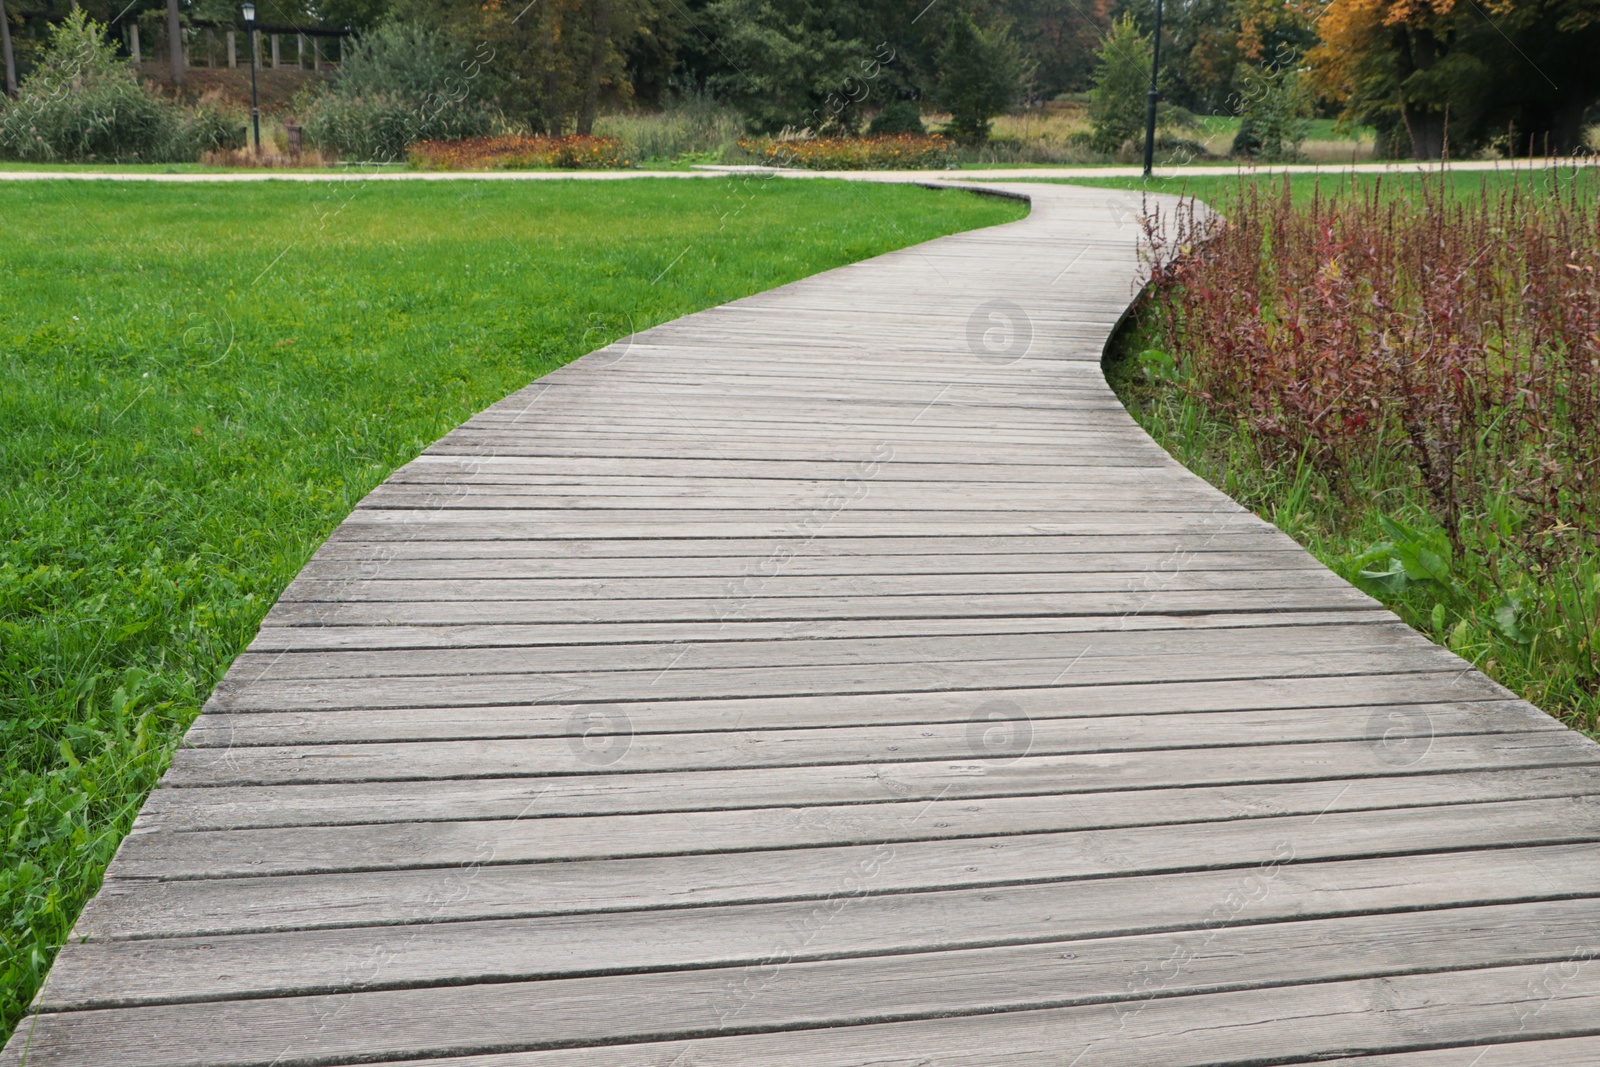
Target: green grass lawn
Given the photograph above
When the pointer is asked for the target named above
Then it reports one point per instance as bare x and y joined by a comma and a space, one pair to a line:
1214, 188
1316, 129
177, 168
199, 381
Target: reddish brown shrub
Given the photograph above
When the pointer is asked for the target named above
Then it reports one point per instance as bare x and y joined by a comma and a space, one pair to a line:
888, 152
519, 153
1463, 330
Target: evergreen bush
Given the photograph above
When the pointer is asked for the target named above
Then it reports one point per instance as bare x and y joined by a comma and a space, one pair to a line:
981, 73
898, 117
1118, 101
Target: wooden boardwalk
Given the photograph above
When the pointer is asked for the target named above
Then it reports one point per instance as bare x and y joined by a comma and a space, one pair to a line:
841, 677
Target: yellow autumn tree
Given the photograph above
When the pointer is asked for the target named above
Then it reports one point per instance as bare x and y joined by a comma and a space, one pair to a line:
1432, 75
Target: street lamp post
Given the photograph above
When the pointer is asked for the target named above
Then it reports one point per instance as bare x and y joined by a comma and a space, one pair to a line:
1151, 98
5, 46
250, 43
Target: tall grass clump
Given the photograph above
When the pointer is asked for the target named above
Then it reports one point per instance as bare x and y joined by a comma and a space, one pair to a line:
1408, 378
694, 129
83, 104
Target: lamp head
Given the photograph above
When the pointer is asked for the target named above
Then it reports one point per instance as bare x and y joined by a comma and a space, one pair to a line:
249, 13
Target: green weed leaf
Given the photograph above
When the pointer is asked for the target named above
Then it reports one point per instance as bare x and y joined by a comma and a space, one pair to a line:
1507, 621
1158, 366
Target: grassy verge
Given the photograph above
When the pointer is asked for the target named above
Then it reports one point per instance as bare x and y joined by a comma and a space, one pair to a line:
1219, 189
25, 167
1406, 382
1342, 532
200, 381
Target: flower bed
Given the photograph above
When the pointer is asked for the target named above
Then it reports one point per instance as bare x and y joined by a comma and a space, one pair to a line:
898, 152
519, 153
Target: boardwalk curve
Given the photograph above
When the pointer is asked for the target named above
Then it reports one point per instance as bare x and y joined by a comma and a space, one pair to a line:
836, 677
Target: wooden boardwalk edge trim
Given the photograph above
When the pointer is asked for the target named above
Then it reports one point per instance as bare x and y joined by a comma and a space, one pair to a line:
841, 677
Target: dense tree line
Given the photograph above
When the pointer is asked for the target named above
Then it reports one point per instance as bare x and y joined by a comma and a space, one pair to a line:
1426, 74
786, 62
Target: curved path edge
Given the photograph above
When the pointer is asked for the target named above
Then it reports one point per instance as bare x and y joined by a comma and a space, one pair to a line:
840, 676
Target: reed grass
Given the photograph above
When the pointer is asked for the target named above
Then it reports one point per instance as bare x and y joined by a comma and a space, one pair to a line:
1405, 377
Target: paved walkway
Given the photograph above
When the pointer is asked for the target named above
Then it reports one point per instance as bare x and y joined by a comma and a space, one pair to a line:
841, 677
1200, 170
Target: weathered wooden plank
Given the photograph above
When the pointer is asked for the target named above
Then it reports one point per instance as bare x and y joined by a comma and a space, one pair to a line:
793, 585
1090, 653
1516, 1052
489, 889
1150, 698
118, 973
970, 467
1236, 1029
872, 501
755, 450
1080, 665
954, 546
734, 606
1009, 734
648, 791
836, 513
556, 1013
1007, 806
273, 638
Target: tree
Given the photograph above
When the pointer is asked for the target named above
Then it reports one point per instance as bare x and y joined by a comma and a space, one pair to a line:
1058, 41
1274, 111
1391, 64
358, 15
551, 64
1118, 101
1208, 45
981, 73
1426, 71
803, 64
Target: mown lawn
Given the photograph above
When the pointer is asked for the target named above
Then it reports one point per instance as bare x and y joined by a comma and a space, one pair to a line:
199, 381
1215, 189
